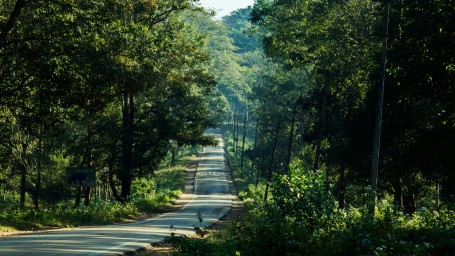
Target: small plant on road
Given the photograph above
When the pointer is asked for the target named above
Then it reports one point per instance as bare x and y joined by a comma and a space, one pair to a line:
201, 231
199, 217
172, 229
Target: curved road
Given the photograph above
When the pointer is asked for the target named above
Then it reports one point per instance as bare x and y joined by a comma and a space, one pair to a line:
211, 199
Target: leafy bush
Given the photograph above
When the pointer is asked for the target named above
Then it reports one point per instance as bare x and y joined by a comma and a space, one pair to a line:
302, 220
151, 195
305, 196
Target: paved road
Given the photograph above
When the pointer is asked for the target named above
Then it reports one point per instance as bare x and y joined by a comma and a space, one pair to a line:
211, 199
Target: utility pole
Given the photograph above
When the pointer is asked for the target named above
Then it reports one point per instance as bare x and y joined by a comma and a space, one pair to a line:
379, 106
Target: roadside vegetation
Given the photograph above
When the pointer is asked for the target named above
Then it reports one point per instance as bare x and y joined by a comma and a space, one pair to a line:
302, 218
340, 128
149, 196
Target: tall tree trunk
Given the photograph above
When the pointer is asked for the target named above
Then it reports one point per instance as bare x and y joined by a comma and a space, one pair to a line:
438, 195
233, 122
269, 175
243, 143
88, 194
23, 169
342, 188
379, 107
398, 193
112, 184
291, 137
409, 203
254, 149
127, 146
237, 138
261, 160
233, 131
88, 159
4, 194
174, 153
23, 184
86, 162
448, 189
321, 131
77, 203
39, 168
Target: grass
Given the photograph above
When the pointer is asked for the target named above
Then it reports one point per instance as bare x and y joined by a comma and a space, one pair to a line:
149, 195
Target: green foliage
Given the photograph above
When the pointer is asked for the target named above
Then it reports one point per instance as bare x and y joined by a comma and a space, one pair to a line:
65, 215
219, 244
285, 227
115, 86
148, 196
192, 247
152, 195
252, 192
305, 196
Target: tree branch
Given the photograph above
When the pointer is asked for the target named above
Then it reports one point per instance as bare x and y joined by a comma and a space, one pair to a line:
12, 19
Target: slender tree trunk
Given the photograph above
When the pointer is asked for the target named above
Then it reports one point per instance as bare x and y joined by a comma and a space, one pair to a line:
342, 188
39, 168
23, 169
4, 194
379, 107
174, 154
228, 120
409, 202
112, 185
237, 138
88, 160
254, 150
261, 161
233, 122
233, 132
398, 193
88, 194
448, 189
77, 203
269, 175
243, 143
23, 182
321, 132
127, 146
291, 137
302, 120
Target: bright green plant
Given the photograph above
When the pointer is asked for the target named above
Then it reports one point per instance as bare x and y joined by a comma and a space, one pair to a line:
304, 195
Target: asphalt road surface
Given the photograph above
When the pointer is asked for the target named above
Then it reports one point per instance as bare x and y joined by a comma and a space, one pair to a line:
211, 200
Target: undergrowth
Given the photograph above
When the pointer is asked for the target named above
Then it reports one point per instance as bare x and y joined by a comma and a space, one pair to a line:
302, 218
149, 195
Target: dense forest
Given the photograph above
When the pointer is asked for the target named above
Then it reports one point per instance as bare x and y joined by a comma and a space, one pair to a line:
112, 85
339, 115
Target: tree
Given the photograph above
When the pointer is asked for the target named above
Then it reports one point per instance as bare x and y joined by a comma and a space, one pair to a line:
418, 122
128, 65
